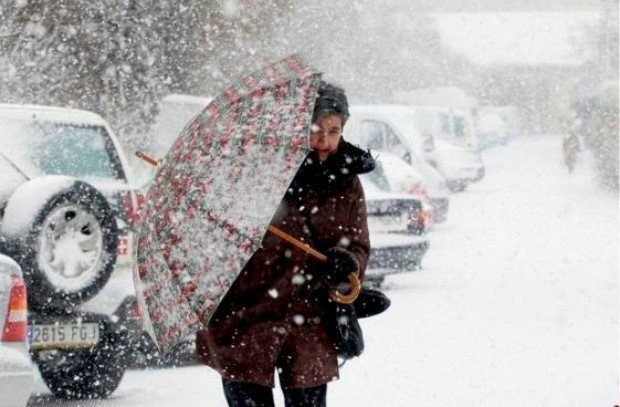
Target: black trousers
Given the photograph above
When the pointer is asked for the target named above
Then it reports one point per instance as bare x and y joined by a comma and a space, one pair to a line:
254, 395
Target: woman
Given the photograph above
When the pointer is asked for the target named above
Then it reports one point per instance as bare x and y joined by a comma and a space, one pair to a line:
272, 317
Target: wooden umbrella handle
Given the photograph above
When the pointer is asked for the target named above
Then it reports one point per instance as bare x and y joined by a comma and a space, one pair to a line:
297, 243
334, 294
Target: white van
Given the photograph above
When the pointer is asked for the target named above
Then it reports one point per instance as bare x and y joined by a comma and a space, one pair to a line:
392, 129
460, 108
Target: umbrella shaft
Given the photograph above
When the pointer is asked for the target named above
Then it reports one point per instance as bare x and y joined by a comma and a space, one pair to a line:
297, 243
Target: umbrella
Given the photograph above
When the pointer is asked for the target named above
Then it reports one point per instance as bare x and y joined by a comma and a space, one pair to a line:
215, 193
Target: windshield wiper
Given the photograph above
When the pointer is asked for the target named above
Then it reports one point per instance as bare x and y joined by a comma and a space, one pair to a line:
15, 166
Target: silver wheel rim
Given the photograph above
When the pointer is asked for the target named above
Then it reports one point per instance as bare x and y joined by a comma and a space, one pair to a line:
71, 248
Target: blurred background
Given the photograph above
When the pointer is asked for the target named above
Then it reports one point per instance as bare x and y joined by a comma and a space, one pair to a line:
120, 57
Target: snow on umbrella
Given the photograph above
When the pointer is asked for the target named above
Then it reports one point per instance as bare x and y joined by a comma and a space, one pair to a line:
215, 193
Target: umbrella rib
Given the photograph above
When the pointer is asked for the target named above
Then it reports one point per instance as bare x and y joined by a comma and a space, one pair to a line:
227, 225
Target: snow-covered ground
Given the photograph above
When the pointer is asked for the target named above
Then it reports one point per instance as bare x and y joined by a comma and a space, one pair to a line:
517, 304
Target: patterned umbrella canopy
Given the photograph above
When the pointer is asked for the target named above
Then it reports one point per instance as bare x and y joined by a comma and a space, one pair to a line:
215, 193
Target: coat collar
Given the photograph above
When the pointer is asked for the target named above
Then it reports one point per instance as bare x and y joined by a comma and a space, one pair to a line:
339, 168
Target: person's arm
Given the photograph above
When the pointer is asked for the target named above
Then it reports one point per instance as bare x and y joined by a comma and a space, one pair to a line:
352, 250
360, 240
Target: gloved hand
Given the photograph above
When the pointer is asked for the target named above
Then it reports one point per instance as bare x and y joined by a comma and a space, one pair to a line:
340, 263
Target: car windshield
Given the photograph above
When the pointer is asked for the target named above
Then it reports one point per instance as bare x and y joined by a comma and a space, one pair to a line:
46, 148
453, 126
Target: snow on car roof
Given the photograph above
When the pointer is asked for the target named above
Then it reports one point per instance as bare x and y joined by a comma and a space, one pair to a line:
50, 114
385, 112
187, 99
400, 117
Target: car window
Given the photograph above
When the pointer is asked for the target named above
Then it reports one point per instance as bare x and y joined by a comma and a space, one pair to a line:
458, 127
452, 126
372, 134
394, 144
61, 149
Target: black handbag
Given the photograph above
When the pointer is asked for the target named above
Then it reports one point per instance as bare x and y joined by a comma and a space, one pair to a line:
370, 302
346, 332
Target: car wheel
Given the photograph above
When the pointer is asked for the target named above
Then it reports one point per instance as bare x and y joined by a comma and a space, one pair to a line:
67, 247
81, 374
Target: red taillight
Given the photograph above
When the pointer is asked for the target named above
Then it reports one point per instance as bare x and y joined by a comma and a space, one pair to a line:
133, 202
16, 323
419, 190
417, 223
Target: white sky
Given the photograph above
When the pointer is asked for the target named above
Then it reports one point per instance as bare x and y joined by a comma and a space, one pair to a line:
526, 38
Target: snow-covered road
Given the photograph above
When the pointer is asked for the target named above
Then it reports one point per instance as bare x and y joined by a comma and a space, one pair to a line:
517, 305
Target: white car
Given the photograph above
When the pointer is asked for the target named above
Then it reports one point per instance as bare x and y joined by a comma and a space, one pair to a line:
398, 242
397, 176
66, 212
16, 370
442, 136
391, 129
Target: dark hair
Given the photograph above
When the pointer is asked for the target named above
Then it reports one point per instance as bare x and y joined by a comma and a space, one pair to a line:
330, 100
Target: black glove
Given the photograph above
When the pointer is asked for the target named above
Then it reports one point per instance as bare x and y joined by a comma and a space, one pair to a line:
340, 263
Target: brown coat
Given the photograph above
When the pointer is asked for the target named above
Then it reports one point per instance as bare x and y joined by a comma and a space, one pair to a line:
272, 315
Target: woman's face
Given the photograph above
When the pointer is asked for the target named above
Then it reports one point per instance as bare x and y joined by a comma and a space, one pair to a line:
325, 134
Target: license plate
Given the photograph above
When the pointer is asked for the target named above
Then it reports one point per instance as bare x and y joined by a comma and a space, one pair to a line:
63, 335
387, 223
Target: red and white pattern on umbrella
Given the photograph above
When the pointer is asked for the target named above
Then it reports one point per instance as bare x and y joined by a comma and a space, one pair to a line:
215, 194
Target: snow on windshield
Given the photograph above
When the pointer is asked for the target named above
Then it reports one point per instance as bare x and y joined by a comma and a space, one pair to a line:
43, 148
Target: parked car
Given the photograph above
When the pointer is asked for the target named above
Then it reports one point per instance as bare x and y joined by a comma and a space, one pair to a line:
456, 153
66, 213
391, 129
408, 182
462, 107
16, 372
397, 236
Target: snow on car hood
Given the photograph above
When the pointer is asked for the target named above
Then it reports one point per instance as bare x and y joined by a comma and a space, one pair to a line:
392, 240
